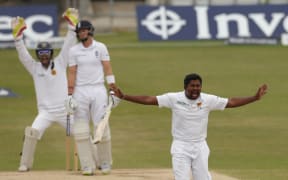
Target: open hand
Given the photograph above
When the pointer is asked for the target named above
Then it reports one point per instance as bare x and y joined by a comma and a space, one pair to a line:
261, 91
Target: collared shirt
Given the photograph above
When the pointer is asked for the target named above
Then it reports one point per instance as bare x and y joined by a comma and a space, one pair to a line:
190, 117
89, 63
51, 88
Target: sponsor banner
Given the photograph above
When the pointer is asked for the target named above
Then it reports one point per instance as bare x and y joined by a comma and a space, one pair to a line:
211, 22
253, 41
41, 22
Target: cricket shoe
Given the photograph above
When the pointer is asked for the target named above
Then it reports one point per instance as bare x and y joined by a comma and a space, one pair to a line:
87, 171
23, 168
105, 168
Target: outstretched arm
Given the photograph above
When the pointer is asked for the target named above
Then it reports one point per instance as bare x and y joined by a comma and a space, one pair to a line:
146, 100
18, 26
71, 16
240, 101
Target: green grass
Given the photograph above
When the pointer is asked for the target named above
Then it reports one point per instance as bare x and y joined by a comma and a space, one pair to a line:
249, 142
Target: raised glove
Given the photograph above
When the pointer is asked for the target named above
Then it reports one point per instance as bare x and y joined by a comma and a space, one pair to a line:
115, 100
71, 15
18, 26
70, 105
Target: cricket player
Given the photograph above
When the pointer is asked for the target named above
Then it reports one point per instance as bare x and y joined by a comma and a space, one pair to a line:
89, 66
50, 82
190, 110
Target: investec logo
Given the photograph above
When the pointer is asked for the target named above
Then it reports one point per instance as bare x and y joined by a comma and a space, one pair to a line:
31, 32
164, 23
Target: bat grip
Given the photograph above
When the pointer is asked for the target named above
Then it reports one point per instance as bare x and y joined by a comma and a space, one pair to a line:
68, 126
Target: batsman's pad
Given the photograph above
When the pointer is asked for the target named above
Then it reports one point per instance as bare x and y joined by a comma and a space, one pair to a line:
104, 148
95, 153
29, 146
82, 139
18, 26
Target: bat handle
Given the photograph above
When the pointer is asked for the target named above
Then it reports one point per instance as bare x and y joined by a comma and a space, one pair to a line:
68, 126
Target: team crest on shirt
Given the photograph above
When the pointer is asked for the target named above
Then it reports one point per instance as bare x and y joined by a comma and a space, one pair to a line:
199, 104
53, 72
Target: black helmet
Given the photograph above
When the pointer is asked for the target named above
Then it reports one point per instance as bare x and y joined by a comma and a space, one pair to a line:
44, 47
85, 25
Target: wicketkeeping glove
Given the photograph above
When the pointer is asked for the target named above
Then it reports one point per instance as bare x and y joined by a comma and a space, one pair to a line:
18, 26
71, 15
70, 105
115, 99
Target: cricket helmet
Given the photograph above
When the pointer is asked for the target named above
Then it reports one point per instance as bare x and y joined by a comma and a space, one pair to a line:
44, 48
83, 24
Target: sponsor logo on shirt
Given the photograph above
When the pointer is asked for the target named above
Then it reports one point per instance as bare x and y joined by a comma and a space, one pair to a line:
193, 106
182, 103
96, 54
41, 74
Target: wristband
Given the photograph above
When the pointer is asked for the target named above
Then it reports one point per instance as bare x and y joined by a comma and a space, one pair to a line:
110, 79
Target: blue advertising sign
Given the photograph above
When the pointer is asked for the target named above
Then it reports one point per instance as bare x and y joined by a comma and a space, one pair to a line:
41, 21
211, 22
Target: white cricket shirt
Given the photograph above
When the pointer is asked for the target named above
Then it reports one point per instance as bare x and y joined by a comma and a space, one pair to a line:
89, 63
51, 90
190, 117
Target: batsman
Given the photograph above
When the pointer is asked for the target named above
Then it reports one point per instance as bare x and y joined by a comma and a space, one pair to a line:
50, 83
89, 67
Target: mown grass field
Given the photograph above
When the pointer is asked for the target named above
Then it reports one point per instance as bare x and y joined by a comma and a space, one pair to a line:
249, 142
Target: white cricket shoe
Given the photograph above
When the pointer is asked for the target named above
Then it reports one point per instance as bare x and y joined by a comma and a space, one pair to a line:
87, 171
105, 168
23, 168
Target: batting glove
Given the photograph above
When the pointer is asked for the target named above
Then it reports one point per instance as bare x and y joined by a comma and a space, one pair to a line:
70, 105
18, 26
115, 100
71, 15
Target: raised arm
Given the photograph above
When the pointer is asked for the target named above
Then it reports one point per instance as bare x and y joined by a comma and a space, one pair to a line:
18, 26
71, 16
240, 101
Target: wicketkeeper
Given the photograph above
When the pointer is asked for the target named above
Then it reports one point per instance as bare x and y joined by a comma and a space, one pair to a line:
50, 81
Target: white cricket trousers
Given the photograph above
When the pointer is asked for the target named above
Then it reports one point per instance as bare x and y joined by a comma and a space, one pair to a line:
92, 102
45, 119
190, 157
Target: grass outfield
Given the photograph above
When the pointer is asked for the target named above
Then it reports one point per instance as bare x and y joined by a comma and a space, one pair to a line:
248, 142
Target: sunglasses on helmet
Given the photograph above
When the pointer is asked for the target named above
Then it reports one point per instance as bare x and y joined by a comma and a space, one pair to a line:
44, 52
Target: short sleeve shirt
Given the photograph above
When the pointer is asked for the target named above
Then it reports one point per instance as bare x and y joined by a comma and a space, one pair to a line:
89, 63
190, 117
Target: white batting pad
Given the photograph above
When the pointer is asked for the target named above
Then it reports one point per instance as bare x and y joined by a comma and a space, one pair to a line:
82, 139
29, 147
104, 147
95, 153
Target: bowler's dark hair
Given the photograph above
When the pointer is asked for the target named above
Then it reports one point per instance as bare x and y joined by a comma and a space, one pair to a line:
191, 77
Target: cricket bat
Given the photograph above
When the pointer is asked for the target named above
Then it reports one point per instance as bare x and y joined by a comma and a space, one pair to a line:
103, 123
68, 143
